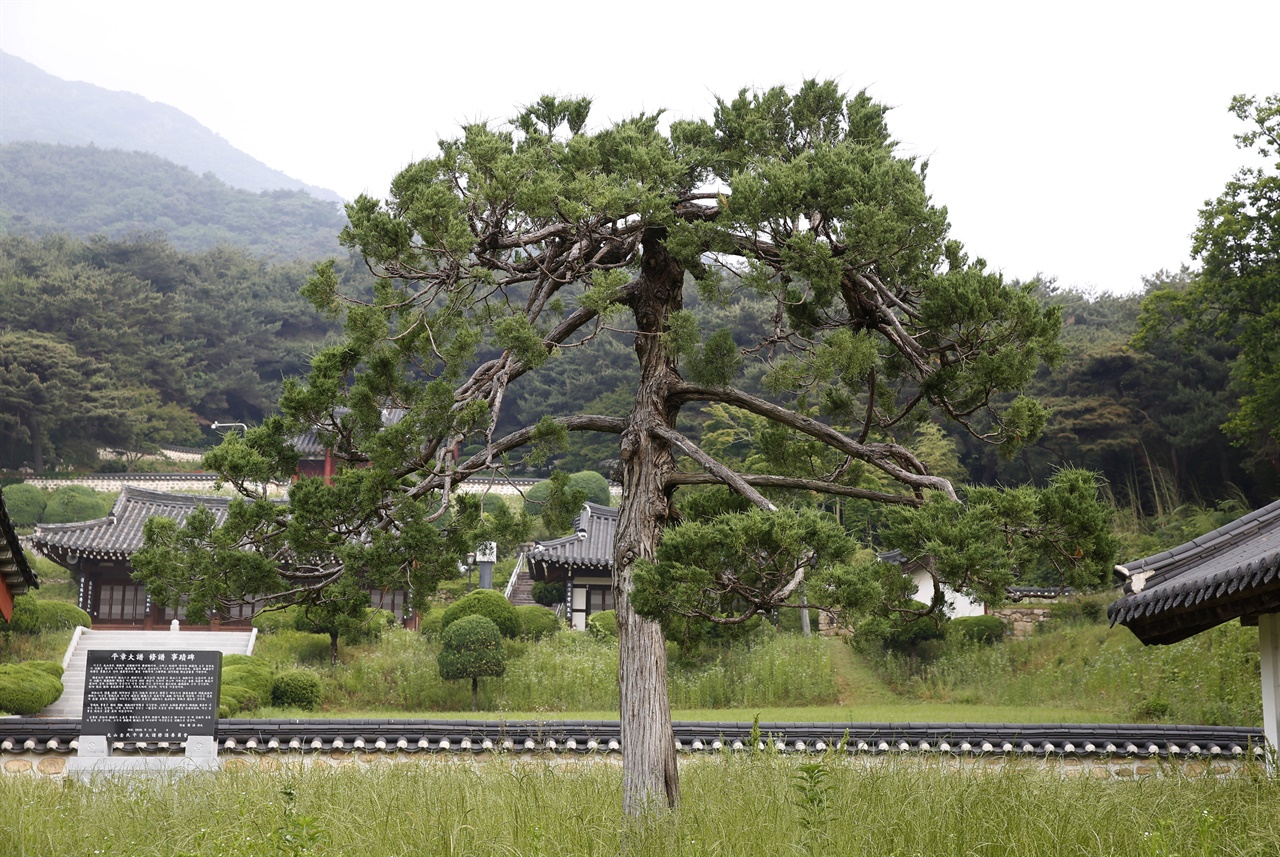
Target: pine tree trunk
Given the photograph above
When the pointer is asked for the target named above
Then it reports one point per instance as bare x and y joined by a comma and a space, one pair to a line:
475, 693
649, 776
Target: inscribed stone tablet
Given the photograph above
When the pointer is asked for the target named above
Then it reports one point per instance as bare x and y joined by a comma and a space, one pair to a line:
132, 695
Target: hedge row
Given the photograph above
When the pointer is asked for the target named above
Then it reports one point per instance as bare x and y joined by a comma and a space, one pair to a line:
31, 616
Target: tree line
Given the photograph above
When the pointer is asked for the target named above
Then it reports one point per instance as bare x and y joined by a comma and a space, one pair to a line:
133, 343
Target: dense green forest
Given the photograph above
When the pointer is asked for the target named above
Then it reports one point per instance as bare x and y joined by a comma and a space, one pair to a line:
84, 191
134, 343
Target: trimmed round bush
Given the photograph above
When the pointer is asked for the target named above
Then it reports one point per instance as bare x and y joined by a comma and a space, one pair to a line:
537, 621
603, 625
471, 647
235, 698
489, 603
60, 615
252, 673
981, 629
548, 593
25, 504
47, 667
595, 486
25, 688
26, 616
72, 503
296, 689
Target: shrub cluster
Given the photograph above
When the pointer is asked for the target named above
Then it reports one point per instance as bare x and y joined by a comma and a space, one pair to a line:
26, 688
31, 616
548, 593
603, 625
537, 622
487, 603
296, 689
980, 629
246, 684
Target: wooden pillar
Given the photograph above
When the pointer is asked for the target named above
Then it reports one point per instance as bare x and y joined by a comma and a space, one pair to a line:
1269, 643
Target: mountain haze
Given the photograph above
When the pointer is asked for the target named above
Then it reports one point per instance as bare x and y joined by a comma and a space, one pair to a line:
38, 107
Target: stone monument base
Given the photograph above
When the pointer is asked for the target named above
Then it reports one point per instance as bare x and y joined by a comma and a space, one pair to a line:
94, 759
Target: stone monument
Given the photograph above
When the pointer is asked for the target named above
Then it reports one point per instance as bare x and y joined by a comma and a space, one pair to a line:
150, 697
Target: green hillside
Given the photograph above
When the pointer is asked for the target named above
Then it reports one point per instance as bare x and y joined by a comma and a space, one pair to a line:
84, 190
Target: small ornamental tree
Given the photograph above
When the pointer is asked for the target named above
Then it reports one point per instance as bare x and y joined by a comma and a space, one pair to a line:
470, 648
865, 318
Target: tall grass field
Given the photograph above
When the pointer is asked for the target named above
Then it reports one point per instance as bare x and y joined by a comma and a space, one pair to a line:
759, 805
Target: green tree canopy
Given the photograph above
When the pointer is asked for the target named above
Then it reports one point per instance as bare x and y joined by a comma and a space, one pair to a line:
1236, 296
471, 648
518, 242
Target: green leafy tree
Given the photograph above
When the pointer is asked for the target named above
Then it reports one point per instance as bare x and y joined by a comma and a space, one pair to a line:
472, 648
1236, 295
515, 243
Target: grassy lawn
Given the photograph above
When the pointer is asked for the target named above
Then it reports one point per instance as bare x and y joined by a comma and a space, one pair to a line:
753, 805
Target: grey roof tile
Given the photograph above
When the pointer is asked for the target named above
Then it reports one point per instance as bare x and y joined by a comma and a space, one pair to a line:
1224, 574
119, 535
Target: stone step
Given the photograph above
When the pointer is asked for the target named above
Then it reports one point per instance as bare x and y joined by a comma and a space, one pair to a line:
69, 704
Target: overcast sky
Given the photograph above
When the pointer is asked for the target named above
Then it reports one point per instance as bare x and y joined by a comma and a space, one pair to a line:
1077, 140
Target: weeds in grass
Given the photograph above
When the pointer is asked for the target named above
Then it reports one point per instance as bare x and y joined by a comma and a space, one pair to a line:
1210, 678
732, 805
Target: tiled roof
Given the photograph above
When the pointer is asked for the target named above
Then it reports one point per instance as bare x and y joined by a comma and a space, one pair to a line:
1230, 573
47, 735
15, 570
591, 544
119, 535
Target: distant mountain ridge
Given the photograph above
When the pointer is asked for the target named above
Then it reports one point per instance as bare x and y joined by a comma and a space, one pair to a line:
84, 190
38, 107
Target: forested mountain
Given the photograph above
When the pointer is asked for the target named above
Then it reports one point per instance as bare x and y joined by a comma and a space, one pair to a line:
133, 343
86, 190
38, 107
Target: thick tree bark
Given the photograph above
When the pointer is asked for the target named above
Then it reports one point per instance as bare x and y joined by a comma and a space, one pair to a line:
649, 774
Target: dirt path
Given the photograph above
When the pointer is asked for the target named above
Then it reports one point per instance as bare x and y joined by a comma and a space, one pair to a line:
856, 682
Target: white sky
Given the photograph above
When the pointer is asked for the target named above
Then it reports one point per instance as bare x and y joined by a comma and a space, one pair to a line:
1078, 140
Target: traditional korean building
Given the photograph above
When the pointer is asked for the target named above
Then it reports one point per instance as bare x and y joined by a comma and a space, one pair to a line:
582, 561
98, 554
1230, 573
16, 574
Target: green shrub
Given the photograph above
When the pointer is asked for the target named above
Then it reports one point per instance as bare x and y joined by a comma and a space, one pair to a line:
595, 486
603, 625
25, 504
537, 622
981, 629
47, 667
487, 603
235, 698
296, 689
26, 688
907, 636
257, 677
60, 615
471, 647
72, 503
547, 593
431, 623
26, 616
